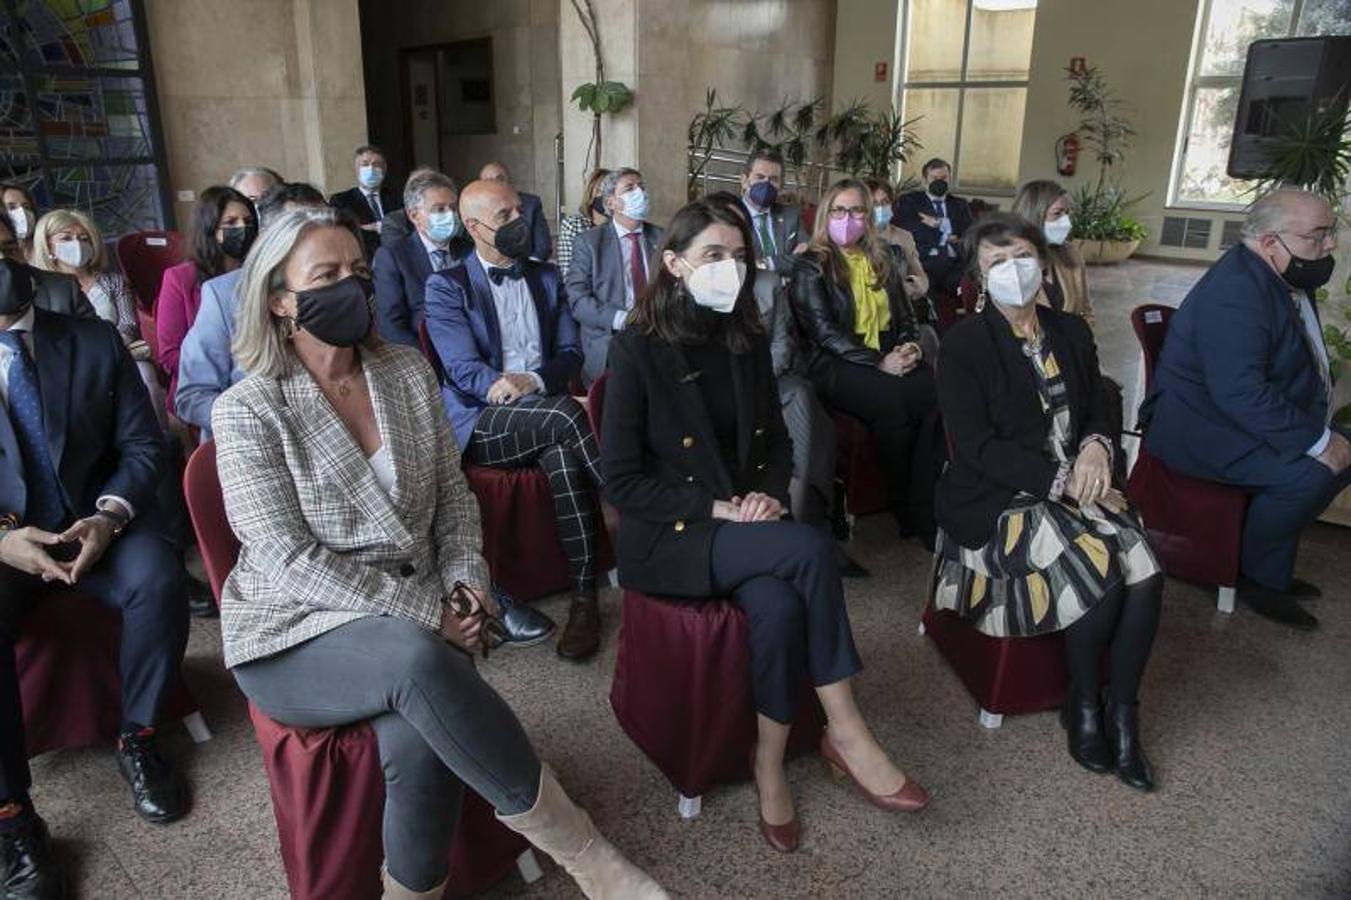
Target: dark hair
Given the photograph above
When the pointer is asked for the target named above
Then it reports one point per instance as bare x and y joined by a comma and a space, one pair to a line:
999, 229
877, 184
768, 155
666, 310
935, 163
22, 189
204, 249
277, 196
368, 148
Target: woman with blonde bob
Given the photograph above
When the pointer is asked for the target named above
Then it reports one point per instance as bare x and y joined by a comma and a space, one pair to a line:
865, 358
1047, 205
360, 590
69, 242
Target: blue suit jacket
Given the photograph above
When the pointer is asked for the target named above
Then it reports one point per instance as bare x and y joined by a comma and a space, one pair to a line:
462, 324
1236, 386
532, 210
401, 271
206, 365
102, 431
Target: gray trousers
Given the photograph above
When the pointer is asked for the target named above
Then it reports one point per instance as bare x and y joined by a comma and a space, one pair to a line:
811, 490
438, 724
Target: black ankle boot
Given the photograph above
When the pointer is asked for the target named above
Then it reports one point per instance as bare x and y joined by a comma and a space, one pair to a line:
1123, 730
1082, 720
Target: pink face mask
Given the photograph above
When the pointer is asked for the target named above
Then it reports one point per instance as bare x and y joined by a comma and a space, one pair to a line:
846, 232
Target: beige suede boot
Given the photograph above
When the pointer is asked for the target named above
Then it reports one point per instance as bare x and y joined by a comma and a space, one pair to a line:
395, 891
563, 830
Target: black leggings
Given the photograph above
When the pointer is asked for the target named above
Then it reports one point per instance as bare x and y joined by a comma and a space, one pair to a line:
1125, 621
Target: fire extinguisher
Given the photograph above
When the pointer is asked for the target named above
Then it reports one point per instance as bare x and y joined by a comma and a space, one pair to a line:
1067, 153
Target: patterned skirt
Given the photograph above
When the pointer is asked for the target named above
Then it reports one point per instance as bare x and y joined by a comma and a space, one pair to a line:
1046, 566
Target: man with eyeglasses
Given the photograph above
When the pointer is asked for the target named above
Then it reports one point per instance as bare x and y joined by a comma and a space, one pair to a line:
1243, 392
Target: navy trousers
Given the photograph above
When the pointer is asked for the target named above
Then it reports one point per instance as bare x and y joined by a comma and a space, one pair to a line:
141, 575
784, 576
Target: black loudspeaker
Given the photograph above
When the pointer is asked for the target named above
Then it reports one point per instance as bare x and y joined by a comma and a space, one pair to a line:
1284, 82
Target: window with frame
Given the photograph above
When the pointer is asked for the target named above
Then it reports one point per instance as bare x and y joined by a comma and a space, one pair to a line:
1225, 30
79, 123
964, 77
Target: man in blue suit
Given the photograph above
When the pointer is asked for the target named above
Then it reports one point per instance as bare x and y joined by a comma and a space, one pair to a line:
206, 365
937, 219
402, 268
1242, 392
508, 348
532, 210
81, 458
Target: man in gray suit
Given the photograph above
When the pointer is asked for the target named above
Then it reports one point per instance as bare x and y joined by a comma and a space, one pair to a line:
52, 291
610, 266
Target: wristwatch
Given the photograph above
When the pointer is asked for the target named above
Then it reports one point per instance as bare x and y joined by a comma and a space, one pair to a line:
119, 519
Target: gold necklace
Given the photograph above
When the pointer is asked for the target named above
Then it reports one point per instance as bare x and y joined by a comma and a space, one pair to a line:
344, 386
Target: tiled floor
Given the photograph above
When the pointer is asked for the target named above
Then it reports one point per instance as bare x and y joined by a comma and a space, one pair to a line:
1247, 724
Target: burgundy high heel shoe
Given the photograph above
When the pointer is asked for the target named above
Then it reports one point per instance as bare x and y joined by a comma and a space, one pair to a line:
783, 838
910, 798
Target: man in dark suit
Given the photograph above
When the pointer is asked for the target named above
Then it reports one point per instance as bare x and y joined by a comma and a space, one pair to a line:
532, 210
937, 220
370, 200
402, 269
611, 265
776, 226
53, 291
508, 347
81, 458
1242, 392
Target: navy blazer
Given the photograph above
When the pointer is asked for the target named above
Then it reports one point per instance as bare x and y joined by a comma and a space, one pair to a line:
401, 271
354, 202
1236, 380
532, 210
102, 431
462, 324
927, 238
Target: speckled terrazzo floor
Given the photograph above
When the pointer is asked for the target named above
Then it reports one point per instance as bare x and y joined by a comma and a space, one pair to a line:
1248, 725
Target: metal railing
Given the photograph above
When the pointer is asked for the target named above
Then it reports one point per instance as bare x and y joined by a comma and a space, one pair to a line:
722, 170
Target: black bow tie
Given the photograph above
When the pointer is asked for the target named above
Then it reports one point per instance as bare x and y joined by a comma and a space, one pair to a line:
514, 272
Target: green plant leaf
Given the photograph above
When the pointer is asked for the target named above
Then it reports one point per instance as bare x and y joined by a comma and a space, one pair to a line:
612, 96
585, 97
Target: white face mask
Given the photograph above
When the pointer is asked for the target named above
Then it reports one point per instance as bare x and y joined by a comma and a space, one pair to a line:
716, 285
76, 254
1014, 282
23, 222
1058, 232
635, 204
370, 177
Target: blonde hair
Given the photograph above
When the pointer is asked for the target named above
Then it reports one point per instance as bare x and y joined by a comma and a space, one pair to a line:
1034, 200
59, 220
261, 338
875, 249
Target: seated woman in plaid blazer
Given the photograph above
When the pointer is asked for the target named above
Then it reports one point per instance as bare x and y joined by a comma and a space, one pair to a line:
343, 484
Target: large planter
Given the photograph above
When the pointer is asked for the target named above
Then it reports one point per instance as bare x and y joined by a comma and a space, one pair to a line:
1101, 252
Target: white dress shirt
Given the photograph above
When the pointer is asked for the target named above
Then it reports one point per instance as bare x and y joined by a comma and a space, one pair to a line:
624, 251
25, 328
518, 324
1319, 351
944, 225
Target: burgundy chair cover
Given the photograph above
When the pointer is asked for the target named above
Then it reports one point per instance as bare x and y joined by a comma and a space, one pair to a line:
206, 506
143, 256
682, 690
1194, 526
328, 796
1004, 675
520, 539
856, 462
68, 674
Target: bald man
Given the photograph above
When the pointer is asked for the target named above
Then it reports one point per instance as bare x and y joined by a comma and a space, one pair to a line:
1242, 392
509, 347
532, 208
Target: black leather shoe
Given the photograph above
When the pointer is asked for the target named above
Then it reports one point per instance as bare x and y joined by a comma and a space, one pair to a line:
1304, 590
1082, 721
200, 602
581, 634
30, 871
525, 625
156, 790
1123, 730
1274, 605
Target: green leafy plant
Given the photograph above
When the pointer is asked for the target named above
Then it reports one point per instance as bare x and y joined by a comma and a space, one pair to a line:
711, 128
600, 97
1100, 208
1100, 215
605, 97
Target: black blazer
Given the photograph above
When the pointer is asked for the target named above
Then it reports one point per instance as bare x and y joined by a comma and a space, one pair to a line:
353, 201
662, 466
909, 206
987, 394
824, 309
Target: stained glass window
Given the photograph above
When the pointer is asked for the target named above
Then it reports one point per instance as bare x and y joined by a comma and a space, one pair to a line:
79, 125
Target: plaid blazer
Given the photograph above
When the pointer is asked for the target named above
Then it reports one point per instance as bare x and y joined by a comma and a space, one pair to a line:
321, 542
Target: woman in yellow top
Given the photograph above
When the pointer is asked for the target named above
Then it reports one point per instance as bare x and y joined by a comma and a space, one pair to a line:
1047, 205
862, 349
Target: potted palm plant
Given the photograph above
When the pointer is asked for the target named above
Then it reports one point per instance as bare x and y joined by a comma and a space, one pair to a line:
1103, 230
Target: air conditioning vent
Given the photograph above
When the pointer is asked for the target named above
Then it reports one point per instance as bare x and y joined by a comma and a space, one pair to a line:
1181, 231
1232, 233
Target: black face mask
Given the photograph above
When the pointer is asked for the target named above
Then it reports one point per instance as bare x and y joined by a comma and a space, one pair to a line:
339, 314
16, 288
1307, 274
512, 240
237, 239
598, 206
938, 188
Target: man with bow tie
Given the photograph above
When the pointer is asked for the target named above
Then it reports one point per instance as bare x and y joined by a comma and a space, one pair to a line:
508, 347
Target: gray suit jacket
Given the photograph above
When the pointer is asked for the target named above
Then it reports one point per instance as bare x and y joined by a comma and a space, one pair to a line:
60, 293
595, 288
787, 231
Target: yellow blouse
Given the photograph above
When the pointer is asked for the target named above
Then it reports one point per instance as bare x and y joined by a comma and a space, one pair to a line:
872, 311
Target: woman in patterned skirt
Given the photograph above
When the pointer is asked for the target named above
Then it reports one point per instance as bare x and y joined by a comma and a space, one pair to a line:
1033, 537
